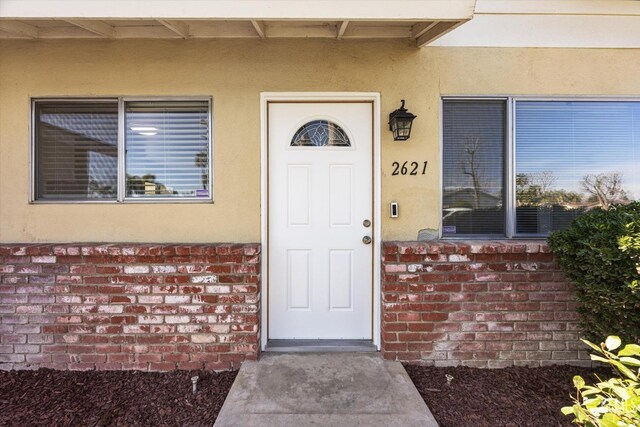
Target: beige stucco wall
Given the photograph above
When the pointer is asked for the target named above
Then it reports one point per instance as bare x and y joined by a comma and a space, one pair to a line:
234, 72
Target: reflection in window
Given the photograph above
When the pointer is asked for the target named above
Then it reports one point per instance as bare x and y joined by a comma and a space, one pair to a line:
319, 133
167, 149
76, 150
473, 167
571, 157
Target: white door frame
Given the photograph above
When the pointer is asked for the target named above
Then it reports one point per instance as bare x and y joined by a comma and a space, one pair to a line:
265, 98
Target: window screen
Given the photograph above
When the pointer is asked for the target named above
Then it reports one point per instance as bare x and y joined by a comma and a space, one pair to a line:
76, 151
167, 149
571, 157
474, 135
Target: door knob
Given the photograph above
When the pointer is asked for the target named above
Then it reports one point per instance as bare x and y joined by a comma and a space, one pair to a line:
366, 223
366, 240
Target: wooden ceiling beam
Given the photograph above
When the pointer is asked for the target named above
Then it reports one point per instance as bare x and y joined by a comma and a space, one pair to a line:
440, 29
95, 27
260, 28
180, 28
341, 29
19, 29
422, 27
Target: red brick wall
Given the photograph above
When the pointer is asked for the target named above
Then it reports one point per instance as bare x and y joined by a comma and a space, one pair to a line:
485, 304
120, 306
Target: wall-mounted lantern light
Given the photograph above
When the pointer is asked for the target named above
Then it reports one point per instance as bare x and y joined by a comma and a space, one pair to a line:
400, 123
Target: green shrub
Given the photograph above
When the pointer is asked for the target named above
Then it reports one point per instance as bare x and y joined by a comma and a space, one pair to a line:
600, 253
616, 401
630, 243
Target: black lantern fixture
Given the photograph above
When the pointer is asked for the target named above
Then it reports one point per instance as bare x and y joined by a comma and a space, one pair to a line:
400, 123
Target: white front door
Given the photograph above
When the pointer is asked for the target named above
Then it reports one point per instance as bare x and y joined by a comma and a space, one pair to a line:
320, 219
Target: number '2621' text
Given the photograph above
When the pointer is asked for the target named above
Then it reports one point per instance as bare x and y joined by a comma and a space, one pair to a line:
409, 168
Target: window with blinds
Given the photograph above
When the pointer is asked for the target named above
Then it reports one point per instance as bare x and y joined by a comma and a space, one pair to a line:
572, 156
78, 150
568, 156
474, 138
167, 148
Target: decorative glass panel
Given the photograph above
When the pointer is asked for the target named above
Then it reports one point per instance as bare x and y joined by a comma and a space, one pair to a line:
320, 133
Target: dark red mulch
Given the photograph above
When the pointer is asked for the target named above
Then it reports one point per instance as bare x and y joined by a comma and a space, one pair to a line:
115, 398
516, 396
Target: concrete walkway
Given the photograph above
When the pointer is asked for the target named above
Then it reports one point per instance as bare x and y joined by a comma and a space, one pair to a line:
324, 389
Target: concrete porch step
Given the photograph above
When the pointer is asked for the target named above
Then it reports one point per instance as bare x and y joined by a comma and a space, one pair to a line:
324, 389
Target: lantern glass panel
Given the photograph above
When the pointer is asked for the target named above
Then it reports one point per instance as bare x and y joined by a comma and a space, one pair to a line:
401, 129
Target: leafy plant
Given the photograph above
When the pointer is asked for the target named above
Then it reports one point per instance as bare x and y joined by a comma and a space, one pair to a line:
630, 243
616, 401
600, 254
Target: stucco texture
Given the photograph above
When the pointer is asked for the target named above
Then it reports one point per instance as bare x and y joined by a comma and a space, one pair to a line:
234, 73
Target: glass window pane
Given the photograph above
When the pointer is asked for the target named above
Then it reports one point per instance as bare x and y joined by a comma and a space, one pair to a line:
167, 149
571, 157
76, 145
474, 135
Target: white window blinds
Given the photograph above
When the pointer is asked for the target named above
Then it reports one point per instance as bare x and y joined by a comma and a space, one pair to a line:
167, 149
474, 135
158, 149
76, 150
572, 156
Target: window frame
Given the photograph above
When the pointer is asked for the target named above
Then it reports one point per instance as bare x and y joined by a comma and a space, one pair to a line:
510, 155
121, 147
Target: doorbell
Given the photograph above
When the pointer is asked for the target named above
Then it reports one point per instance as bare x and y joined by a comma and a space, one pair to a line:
393, 209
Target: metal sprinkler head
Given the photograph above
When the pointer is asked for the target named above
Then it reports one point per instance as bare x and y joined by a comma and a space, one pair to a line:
449, 379
194, 381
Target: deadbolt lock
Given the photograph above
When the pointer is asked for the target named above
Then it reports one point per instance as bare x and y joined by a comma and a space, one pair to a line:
366, 240
366, 223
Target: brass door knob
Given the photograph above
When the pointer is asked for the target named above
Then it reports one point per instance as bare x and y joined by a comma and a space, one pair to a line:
366, 240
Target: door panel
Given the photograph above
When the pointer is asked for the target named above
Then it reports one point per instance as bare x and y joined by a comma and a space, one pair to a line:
320, 192
340, 279
340, 195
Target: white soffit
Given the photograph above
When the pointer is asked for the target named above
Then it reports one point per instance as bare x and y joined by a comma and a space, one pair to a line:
240, 9
550, 23
422, 21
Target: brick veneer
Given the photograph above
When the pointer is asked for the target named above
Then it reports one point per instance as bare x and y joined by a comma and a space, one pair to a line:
129, 306
485, 304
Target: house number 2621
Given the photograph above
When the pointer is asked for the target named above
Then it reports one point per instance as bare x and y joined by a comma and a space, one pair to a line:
409, 168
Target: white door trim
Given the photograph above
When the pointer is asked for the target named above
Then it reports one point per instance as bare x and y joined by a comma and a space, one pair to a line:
265, 98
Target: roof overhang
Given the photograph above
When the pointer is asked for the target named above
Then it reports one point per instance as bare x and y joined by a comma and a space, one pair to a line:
422, 21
